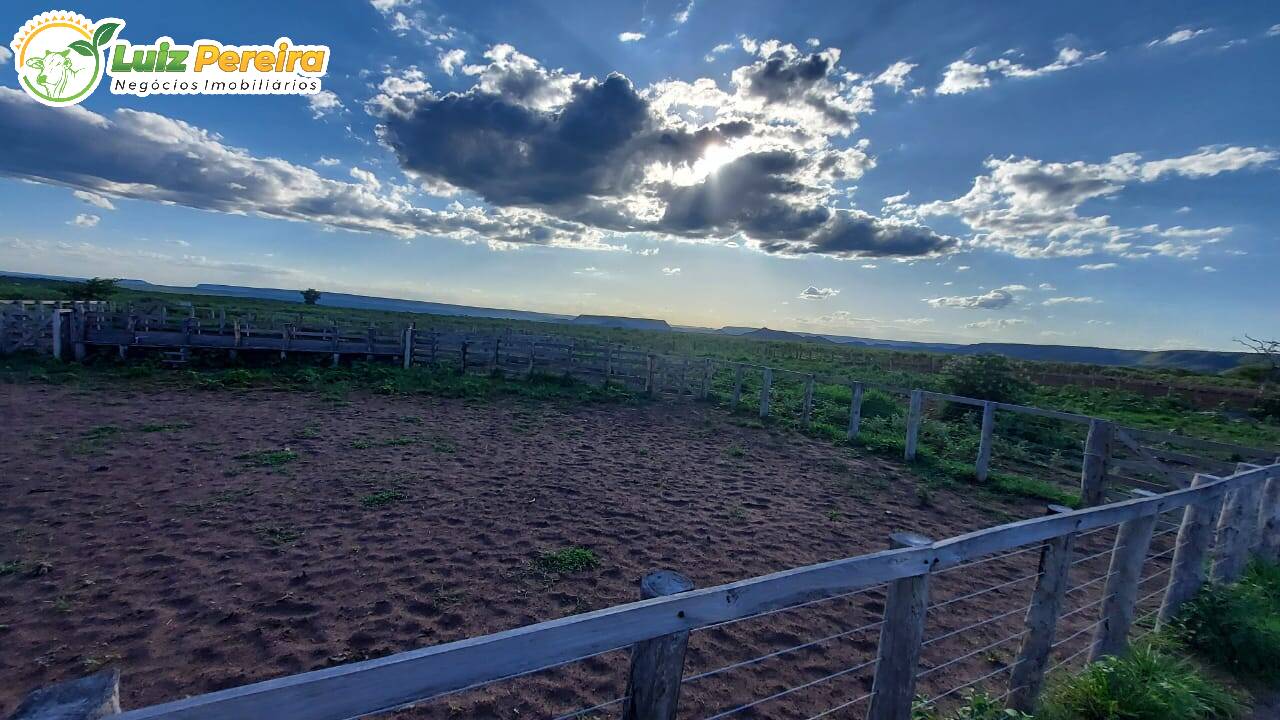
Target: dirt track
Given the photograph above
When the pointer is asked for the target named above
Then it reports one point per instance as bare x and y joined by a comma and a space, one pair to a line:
163, 552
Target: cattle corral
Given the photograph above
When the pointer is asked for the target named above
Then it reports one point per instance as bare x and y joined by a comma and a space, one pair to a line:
203, 542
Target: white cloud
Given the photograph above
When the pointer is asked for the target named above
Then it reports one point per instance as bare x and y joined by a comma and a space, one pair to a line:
963, 76
84, 220
5, 55
681, 15
869, 266
627, 37
992, 300
1030, 208
670, 271
895, 76
327, 161
817, 293
1274, 30
962, 268
451, 60
94, 199
815, 42
323, 103
1068, 300
1048, 287
1210, 269
717, 50
648, 251
995, 324
1180, 36
1099, 266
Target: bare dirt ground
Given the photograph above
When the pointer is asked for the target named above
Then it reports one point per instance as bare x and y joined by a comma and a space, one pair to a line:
139, 534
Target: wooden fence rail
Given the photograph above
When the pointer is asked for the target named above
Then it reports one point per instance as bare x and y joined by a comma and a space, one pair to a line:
655, 627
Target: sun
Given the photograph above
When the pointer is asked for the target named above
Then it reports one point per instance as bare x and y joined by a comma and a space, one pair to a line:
715, 157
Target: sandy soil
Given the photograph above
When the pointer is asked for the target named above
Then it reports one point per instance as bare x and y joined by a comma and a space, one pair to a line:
162, 552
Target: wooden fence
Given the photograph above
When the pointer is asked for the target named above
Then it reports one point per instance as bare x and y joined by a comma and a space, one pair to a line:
1053, 445
1218, 522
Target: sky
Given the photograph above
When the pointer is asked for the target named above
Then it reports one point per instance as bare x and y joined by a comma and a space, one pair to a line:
1091, 173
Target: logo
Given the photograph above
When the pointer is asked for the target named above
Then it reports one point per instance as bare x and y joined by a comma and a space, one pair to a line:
61, 56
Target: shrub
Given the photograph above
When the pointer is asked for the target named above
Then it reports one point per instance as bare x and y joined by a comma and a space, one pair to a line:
986, 377
94, 289
1146, 684
1237, 627
311, 296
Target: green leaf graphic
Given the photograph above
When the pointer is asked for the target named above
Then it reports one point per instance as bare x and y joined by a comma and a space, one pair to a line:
104, 33
82, 47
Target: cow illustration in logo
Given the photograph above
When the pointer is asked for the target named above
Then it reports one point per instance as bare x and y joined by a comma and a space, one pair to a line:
61, 55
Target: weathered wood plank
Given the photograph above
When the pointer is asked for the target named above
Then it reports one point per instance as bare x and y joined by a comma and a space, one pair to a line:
1027, 677
982, 466
1121, 593
900, 638
1187, 572
657, 664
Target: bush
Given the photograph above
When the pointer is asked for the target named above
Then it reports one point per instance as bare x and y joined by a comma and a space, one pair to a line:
1237, 627
1146, 684
986, 377
977, 706
95, 289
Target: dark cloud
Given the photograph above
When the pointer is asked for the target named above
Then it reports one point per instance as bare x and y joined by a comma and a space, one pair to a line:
854, 234
146, 156
785, 77
754, 194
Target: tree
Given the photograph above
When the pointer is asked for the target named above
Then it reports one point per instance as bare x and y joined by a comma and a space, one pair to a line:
311, 296
985, 377
1268, 351
93, 289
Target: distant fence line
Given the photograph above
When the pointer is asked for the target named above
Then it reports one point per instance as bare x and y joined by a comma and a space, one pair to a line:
1219, 522
1097, 451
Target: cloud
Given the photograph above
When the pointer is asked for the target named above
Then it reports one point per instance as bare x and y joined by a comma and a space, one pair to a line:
1048, 287
717, 50
1099, 266
993, 300
670, 271
324, 103
647, 252
1030, 208
895, 76
87, 258
995, 324
681, 15
627, 37
450, 60
816, 293
94, 199
1071, 301
146, 156
5, 55
1180, 36
1209, 269
754, 166
84, 220
963, 76
327, 162
1274, 30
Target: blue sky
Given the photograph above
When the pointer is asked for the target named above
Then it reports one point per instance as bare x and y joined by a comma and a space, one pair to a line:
1084, 173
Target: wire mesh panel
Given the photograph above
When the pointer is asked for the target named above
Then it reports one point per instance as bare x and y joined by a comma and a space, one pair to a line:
1048, 449
975, 624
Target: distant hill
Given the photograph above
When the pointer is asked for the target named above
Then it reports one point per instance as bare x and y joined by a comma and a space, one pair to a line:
345, 300
783, 336
625, 323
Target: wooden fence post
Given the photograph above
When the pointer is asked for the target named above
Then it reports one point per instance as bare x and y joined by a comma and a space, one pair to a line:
1027, 677
855, 410
1121, 593
914, 412
532, 352
983, 467
1097, 453
657, 665
608, 364
1187, 572
766, 382
88, 698
1231, 545
708, 372
806, 414
369, 354
1269, 519
737, 387
408, 346
77, 330
56, 330
462, 365
898, 659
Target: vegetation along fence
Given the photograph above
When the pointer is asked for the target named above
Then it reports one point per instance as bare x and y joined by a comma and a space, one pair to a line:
1071, 586
976, 437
